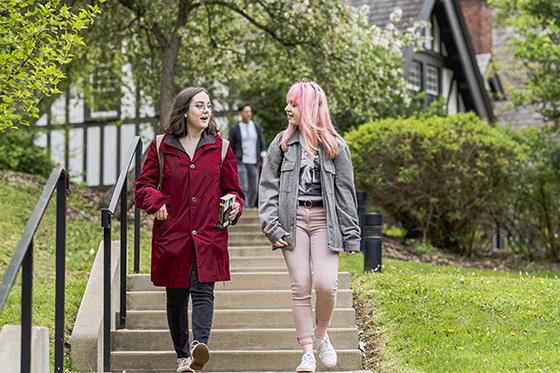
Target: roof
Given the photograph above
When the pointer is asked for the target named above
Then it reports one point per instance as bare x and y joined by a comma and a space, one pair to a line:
512, 76
380, 10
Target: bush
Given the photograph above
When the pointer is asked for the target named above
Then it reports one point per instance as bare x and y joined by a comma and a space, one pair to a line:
533, 221
440, 177
19, 153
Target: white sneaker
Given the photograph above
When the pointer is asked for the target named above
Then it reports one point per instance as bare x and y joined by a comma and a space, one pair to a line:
200, 355
326, 351
307, 363
184, 365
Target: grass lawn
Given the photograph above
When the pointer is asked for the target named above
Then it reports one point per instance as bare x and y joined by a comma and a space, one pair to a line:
17, 200
431, 318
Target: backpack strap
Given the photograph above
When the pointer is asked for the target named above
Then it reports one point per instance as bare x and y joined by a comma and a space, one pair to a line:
225, 144
160, 158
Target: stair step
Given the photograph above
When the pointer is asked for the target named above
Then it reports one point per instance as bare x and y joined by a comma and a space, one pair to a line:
236, 251
236, 361
231, 299
228, 339
256, 228
239, 281
236, 318
247, 236
281, 268
238, 242
252, 219
167, 371
257, 261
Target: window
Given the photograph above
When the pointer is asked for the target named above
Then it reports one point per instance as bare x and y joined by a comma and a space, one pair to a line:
415, 75
432, 80
105, 93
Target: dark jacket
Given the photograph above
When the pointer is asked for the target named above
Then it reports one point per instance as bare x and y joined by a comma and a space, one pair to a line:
237, 144
191, 190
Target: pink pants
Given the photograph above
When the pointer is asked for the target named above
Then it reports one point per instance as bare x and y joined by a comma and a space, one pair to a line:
312, 253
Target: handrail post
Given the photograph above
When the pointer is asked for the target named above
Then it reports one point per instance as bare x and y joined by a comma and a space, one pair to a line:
106, 223
137, 215
61, 190
26, 308
124, 258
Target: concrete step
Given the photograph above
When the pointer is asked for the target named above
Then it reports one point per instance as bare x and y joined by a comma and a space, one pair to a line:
236, 361
253, 251
257, 261
253, 211
239, 281
228, 339
237, 318
252, 219
239, 242
247, 236
281, 268
231, 299
249, 228
172, 371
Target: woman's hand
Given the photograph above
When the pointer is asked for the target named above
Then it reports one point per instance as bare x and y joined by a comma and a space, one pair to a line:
234, 210
280, 243
350, 253
161, 214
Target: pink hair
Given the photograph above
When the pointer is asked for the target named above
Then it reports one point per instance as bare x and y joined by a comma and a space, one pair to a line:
315, 125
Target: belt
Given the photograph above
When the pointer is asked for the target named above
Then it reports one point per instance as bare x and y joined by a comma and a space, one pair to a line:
309, 204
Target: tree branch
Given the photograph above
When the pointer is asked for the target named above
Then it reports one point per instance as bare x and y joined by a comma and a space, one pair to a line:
254, 22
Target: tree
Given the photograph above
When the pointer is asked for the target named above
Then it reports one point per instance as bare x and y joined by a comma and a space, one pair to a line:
239, 46
38, 40
537, 22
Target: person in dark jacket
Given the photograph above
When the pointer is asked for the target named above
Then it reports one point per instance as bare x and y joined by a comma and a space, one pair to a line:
189, 250
247, 141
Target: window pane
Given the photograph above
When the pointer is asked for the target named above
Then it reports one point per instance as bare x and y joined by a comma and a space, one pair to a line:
432, 80
415, 75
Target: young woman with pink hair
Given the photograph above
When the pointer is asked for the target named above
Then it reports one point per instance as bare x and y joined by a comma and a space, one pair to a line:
308, 208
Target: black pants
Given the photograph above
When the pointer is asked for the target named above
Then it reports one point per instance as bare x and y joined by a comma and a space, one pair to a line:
202, 294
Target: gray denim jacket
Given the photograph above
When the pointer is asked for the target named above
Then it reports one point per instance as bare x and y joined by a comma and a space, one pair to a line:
278, 192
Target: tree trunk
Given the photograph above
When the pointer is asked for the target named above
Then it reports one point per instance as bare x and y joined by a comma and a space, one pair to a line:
167, 88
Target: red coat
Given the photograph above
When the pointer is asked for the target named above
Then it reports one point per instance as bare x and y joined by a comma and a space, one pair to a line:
191, 192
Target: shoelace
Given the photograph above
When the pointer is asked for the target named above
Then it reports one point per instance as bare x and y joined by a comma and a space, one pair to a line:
308, 358
325, 346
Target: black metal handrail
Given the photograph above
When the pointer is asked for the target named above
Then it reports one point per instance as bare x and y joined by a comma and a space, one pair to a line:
23, 258
120, 193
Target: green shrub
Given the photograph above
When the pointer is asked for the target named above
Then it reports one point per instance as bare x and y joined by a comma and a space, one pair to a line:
533, 221
440, 177
19, 153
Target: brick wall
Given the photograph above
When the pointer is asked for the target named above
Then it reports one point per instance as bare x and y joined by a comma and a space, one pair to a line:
478, 17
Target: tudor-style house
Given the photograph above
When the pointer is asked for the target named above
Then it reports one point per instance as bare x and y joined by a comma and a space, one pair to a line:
447, 66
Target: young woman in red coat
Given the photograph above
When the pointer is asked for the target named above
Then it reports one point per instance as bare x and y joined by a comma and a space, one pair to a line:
189, 250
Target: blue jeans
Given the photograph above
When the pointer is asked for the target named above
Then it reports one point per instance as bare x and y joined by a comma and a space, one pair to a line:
249, 181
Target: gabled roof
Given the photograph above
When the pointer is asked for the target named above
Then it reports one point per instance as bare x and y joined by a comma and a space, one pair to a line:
514, 77
380, 10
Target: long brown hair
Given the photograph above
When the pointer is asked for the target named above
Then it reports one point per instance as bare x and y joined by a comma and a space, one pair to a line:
177, 123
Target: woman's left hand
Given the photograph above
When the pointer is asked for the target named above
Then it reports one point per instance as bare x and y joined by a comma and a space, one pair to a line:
234, 210
350, 253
